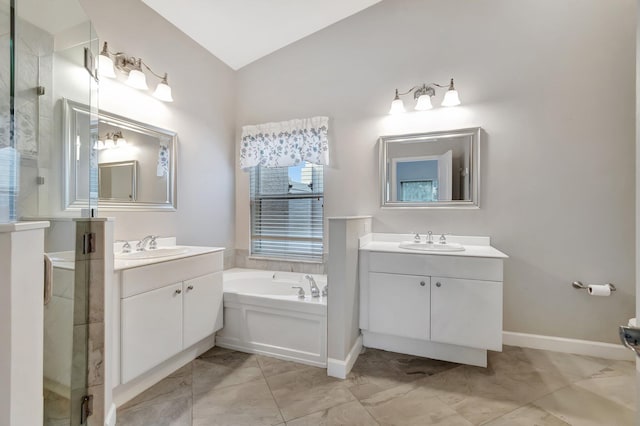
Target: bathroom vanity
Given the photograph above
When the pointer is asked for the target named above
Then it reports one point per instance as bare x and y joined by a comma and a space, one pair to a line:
166, 312
433, 301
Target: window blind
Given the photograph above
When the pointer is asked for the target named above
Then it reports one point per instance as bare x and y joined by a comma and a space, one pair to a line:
287, 212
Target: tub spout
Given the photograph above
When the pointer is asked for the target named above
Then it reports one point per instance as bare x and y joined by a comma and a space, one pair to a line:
315, 291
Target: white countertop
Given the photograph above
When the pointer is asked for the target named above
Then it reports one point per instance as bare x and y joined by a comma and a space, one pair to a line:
389, 243
66, 259
120, 264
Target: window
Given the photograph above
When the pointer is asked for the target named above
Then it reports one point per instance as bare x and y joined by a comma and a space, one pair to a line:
418, 191
287, 211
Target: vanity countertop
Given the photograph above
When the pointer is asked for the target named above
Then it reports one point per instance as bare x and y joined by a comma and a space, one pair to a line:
473, 246
121, 264
66, 260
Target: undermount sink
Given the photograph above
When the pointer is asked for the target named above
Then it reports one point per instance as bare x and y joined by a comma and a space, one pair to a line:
432, 247
152, 253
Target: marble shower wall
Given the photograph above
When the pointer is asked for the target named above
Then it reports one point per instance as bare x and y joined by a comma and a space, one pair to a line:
33, 112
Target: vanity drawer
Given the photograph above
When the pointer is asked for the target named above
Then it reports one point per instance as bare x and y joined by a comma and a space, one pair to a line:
477, 268
150, 277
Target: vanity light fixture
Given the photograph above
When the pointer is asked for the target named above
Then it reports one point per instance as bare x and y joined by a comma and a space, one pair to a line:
423, 94
111, 140
131, 66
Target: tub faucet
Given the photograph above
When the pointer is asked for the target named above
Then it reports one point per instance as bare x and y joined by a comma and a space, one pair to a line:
300, 291
149, 239
315, 291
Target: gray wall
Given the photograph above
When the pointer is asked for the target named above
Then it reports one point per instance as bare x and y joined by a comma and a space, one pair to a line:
203, 115
550, 82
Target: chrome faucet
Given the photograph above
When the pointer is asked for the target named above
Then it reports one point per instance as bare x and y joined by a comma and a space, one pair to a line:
126, 247
416, 238
429, 237
300, 291
149, 239
443, 239
315, 291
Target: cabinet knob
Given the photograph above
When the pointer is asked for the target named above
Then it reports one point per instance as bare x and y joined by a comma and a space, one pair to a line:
189, 287
422, 283
438, 284
178, 291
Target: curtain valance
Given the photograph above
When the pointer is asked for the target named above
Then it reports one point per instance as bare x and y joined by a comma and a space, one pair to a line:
286, 143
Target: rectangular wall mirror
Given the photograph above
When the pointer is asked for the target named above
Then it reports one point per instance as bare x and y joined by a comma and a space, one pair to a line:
136, 162
431, 170
117, 181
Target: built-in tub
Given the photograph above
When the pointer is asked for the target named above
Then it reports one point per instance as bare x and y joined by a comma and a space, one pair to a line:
263, 315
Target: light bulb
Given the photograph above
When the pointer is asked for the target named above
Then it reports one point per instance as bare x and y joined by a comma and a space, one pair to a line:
163, 91
137, 79
424, 103
397, 106
105, 63
105, 67
451, 98
108, 143
121, 142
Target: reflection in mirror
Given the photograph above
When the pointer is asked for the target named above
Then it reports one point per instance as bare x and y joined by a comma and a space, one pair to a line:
136, 162
438, 169
117, 181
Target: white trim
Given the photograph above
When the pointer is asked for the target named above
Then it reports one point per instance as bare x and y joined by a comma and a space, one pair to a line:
340, 369
110, 420
572, 346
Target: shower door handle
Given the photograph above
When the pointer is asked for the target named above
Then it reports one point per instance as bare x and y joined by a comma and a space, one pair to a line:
630, 337
48, 279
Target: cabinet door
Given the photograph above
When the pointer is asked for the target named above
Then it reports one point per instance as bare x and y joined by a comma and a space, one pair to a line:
399, 305
151, 329
466, 312
202, 307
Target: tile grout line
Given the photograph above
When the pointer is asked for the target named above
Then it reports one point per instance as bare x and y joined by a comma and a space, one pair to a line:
270, 391
365, 408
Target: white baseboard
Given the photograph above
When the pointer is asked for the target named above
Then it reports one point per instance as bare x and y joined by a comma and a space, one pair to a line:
572, 346
338, 368
110, 419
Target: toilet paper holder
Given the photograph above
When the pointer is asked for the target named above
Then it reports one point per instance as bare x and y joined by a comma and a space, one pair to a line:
580, 286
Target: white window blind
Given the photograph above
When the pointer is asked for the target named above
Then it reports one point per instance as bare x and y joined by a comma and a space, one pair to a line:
287, 211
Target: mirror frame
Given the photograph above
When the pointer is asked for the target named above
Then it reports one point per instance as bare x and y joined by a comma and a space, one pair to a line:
474, 189
71, 200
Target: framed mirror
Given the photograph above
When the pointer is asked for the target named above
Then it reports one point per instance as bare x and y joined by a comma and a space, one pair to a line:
117, 181
136, 162
431, 170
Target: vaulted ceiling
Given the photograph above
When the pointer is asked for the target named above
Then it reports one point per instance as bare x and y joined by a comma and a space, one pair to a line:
239, 32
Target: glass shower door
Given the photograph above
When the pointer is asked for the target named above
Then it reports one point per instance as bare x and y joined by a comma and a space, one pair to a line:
54, 46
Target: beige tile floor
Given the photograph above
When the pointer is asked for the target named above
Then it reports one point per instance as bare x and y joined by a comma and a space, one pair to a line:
520, 387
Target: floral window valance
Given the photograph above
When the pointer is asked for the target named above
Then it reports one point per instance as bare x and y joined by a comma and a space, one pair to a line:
284, 144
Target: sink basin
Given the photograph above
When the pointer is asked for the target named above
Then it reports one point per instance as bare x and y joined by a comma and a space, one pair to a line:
152, 254
432, 247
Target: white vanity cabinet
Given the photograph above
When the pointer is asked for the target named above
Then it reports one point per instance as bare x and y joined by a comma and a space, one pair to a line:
202, 308
166, 314
466, 312
151, 329
442, 306
401, 305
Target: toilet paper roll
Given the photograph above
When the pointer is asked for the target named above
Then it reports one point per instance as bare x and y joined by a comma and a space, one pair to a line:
599, 290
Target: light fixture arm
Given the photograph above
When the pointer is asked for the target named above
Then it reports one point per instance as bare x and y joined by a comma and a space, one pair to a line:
161, 77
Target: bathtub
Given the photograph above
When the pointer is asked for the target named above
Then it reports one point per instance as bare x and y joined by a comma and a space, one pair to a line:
263, 315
